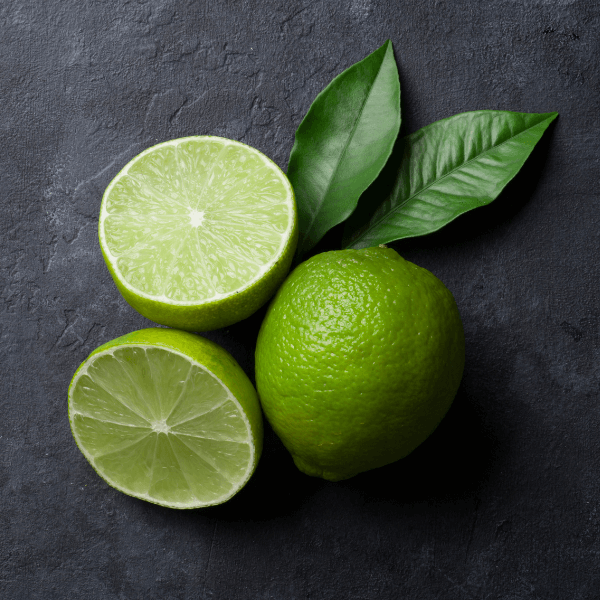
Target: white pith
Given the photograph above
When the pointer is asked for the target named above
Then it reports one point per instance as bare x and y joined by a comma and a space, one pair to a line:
196, 217
197, 221
160, 426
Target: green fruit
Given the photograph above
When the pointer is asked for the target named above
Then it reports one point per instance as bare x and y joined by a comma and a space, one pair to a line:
198, 232
168, 417
358, 359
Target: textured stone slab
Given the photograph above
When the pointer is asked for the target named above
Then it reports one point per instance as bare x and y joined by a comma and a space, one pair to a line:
501, 502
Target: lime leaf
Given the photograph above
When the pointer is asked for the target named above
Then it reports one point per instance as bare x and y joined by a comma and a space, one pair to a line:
444, 170
343, 143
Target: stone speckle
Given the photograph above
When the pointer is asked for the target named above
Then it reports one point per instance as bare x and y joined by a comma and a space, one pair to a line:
502, 501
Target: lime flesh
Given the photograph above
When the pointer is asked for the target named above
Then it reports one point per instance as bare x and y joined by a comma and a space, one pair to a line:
167, 417
198, 232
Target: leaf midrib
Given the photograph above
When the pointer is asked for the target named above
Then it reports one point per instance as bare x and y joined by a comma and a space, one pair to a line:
425, 188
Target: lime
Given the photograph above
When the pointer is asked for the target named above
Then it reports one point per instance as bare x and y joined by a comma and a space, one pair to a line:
198, 232
168, 417
358, 359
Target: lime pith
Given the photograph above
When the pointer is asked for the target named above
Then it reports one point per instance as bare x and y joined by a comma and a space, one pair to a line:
198, 232
168, 417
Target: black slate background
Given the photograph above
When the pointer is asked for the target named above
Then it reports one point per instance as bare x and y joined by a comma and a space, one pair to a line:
502, 501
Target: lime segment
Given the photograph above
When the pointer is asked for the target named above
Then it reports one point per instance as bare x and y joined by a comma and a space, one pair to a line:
168, 417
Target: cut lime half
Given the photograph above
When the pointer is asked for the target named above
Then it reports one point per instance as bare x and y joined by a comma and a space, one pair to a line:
168, 417
198, 232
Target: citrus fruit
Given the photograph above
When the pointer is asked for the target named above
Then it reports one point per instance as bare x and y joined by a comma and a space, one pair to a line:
198, 232
168, 417
358, 359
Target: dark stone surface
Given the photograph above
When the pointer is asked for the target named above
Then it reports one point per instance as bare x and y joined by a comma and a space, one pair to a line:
502, 501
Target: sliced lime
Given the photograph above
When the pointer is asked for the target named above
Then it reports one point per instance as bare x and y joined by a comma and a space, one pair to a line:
168, 417
198, 232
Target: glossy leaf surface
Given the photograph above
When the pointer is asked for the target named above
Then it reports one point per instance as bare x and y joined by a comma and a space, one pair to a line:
343, 143
444, 170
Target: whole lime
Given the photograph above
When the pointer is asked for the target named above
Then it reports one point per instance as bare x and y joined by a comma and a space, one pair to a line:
358, 359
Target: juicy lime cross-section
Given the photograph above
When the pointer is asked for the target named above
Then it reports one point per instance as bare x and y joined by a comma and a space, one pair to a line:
168, 417
198, 232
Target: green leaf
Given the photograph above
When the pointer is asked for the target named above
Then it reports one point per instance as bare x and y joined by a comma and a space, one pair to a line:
343, 143
443, 171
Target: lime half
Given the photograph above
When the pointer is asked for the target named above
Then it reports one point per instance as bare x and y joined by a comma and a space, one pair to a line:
168, 417
198, 232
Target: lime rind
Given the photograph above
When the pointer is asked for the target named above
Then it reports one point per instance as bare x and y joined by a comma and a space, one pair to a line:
153, 449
